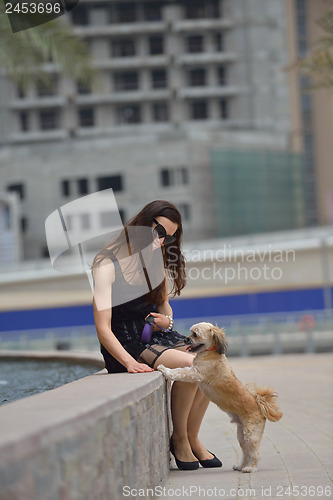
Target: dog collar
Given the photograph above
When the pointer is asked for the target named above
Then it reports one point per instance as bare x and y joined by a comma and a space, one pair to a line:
211, 349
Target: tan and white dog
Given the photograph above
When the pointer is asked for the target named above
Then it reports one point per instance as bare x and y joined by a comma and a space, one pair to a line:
248, 407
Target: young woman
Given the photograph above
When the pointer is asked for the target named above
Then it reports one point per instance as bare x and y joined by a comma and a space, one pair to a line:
125, 295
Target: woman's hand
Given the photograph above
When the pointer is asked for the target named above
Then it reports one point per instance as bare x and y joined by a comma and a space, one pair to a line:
160, 321
135, 367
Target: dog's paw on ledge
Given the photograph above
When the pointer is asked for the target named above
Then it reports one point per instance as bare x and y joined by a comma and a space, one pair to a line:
165, 371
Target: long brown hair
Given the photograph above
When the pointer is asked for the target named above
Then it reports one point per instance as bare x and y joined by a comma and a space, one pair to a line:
174, 262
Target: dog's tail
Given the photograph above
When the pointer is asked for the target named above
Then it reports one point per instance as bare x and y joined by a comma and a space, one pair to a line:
266, 399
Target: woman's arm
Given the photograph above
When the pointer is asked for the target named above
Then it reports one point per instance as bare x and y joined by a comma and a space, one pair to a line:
163, 310
104, 276
160, 317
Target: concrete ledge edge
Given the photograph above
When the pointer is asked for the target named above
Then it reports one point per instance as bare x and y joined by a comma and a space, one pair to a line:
52, 413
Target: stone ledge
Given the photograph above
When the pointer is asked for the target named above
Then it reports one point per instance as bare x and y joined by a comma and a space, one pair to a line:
86, 439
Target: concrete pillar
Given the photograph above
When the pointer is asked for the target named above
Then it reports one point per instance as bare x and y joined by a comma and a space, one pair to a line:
145, 79
209, 45
98, 16
34, 120
106, 116
214, 108
146, 112
101, 48
67, 89
141, 45
171, 14
211, 76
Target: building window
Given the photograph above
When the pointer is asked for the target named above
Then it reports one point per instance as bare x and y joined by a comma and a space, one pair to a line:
86, 117
84, 221
21, 92
218, 42
126, 81
166, 177
108, 218
105, 218
156, 45
197, 77
126, 12
80, 15
128, 113
224, 109
177, 176
184, 209
159, 79
24, 121
152, 11
83, 88
182, 175
301, 23
195, 44
114, 182
195, 10
5, 216
45, 252
47, 89
202, 9
65, 188
17, 188
160, 112
82, 186
122, 215
123, 48
199, 110
213, 9
24, 224
48, 119
68, 220
222, 75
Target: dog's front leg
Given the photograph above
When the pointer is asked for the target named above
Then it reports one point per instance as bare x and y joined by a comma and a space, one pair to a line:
186, 374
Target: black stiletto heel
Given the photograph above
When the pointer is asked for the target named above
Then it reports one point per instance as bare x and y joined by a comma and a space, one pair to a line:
183, 465
210, 462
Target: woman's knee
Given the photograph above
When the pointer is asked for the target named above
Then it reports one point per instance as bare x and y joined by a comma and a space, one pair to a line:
173, 358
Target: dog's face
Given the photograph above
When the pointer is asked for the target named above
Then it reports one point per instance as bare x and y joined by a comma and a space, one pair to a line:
205, 336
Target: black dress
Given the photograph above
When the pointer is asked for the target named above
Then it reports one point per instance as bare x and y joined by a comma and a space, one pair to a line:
127, 322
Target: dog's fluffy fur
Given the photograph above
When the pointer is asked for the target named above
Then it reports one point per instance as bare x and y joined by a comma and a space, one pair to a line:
248, 407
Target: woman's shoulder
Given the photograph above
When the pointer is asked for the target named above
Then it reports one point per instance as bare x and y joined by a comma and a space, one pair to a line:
105, 268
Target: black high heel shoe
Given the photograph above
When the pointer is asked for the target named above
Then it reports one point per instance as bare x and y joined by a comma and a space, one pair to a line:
210, 462
183, 465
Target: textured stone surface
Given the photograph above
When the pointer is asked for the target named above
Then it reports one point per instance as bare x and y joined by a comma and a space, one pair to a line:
86, 440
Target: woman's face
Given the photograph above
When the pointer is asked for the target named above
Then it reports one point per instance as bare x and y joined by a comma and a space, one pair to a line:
169, 226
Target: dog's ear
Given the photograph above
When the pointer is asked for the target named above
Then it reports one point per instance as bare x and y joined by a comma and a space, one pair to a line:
219, 339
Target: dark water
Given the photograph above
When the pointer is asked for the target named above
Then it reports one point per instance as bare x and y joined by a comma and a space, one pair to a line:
22, 378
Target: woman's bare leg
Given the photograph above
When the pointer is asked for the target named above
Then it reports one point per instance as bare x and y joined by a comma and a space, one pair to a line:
196, 415
183, 396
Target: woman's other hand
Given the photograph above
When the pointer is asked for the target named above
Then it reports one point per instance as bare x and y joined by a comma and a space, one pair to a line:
160, 321
135, 367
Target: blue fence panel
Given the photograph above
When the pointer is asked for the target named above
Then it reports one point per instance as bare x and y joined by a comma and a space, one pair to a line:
46, 318
204, 307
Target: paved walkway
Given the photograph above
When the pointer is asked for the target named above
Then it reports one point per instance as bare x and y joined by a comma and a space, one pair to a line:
296, 453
